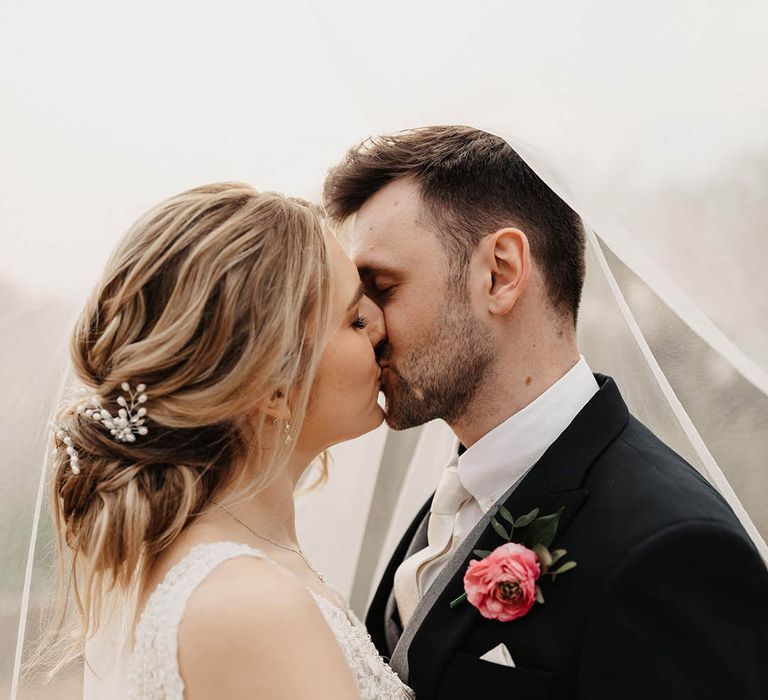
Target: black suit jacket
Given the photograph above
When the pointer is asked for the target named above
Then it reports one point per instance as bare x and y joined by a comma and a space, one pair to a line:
669, 598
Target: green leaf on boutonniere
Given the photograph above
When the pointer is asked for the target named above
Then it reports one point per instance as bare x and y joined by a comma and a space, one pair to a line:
565, 567
499, 528
482, 553
459, 600
544, 556
539, 595
543, 530
557, 555
507, 516
525, 520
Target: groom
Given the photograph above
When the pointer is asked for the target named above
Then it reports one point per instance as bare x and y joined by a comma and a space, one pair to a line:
478, 267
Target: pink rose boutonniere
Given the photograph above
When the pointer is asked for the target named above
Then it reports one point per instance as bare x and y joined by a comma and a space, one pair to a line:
502, 584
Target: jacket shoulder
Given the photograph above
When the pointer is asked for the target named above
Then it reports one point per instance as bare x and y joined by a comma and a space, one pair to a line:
641, 482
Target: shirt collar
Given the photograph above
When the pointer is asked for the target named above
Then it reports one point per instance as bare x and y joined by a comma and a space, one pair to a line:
505, 454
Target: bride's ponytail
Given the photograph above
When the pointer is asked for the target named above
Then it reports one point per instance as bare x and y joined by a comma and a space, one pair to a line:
212, 303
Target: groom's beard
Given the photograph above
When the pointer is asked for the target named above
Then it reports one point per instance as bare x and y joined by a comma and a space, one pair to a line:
440, 378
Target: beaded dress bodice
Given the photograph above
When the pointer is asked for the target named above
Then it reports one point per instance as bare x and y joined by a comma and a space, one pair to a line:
153, 670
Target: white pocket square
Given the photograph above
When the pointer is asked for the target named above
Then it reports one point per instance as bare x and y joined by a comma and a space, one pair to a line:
499, 655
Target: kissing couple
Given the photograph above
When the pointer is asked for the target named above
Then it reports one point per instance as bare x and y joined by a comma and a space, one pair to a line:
566, 552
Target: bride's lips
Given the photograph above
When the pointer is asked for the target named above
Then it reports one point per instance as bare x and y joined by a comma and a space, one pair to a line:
383, 369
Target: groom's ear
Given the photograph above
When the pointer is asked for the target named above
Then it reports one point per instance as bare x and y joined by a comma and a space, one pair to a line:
507, 257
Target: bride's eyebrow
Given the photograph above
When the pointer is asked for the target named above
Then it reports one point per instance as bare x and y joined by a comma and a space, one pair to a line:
358, 296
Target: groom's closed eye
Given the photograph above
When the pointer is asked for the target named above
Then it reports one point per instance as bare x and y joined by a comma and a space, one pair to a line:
378, 290
381, 294
379, 279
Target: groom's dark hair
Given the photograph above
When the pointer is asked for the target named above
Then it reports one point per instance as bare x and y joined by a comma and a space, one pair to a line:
471, 184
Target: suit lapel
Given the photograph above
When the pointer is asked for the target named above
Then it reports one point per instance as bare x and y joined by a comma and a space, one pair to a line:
436, 629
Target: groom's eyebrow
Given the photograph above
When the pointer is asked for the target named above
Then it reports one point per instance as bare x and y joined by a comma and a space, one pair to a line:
358, 296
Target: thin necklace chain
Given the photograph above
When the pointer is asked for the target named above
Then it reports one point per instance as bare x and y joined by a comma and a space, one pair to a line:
266, 539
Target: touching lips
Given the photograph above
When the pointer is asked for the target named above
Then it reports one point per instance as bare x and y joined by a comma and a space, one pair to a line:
382, 370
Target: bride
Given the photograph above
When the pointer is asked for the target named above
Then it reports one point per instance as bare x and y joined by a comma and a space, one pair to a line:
228, 345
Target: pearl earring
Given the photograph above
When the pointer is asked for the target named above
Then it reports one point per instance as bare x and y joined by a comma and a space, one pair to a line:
286, 430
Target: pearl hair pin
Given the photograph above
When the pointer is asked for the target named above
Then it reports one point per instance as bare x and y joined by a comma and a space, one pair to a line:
129, 420
74, 461
124, 426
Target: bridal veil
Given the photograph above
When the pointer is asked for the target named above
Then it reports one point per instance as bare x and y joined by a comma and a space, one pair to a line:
648, 119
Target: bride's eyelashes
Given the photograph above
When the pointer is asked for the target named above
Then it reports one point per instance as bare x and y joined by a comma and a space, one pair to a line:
360, 322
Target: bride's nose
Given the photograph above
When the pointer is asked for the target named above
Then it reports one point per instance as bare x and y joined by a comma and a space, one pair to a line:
376, 327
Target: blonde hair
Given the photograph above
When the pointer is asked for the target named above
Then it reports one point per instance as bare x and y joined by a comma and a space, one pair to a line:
217, 299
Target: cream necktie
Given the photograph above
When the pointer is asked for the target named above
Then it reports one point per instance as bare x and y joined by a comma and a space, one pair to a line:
449, 497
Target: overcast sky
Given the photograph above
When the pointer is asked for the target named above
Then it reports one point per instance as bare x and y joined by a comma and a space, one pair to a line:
106, 109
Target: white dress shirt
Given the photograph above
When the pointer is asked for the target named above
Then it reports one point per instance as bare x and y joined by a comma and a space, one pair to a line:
502, 457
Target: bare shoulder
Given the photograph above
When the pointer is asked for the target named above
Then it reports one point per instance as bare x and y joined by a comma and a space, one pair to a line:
266, 634
246, 585
241, 598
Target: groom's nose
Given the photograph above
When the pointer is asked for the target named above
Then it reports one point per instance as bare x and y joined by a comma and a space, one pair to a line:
376, 327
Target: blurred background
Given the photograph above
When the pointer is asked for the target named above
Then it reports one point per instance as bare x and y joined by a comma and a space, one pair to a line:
653, 116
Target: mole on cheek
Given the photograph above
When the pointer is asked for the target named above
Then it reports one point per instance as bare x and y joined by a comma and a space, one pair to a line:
528, 380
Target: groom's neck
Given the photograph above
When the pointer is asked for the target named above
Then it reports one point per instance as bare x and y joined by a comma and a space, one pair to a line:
522, 373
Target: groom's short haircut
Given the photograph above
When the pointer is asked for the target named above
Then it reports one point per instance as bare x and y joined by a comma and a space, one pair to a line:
471, 183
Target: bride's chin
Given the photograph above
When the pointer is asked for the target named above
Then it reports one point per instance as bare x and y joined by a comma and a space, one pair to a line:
377, 418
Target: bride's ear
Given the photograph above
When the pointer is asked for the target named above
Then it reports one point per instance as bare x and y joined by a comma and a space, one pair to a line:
276, 406
507, 258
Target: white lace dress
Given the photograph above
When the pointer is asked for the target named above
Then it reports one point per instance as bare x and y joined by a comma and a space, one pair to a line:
153, 670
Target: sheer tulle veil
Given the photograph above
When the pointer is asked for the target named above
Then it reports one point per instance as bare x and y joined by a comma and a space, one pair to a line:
611, 336
674, 302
